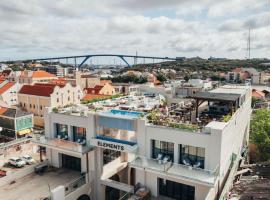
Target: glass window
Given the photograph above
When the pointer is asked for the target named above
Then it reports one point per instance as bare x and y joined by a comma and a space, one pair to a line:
193, 156
161, 148
61, 130
79, 134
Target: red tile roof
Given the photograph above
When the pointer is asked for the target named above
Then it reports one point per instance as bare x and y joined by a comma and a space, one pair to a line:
6, 87
94, 90
38, 89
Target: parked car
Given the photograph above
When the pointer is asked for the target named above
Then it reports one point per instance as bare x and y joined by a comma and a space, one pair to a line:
16, 162
28, 159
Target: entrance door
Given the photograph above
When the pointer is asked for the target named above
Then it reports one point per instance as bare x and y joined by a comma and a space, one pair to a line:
176, 190
71, 162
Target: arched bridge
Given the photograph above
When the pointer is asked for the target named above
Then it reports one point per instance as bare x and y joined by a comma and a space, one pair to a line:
121, 56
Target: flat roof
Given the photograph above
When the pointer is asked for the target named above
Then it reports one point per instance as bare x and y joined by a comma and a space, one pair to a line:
216, 96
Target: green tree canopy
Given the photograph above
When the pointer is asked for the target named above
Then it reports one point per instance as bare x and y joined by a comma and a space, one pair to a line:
260, 132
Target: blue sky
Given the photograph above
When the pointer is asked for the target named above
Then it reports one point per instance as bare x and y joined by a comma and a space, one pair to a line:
31, 28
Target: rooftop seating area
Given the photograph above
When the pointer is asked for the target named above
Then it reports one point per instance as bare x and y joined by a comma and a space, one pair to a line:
197, 111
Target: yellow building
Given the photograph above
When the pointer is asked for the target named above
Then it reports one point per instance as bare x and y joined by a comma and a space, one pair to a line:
106, 89
34, 98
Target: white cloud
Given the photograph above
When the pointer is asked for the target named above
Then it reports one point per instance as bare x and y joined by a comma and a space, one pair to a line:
31, 28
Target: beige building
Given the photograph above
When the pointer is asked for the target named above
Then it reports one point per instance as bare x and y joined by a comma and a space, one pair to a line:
34, 98
39, 76
106, 89
86, 80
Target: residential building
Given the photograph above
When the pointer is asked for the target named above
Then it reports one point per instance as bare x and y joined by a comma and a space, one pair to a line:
34, 98
126, 88
9, 92
181, 153
106, 89
240, 75
15, 123
39, 76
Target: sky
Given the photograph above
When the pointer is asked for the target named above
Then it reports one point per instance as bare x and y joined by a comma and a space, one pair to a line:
218, 28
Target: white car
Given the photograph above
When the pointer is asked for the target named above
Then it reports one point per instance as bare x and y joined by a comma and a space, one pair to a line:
16, 162
28, 159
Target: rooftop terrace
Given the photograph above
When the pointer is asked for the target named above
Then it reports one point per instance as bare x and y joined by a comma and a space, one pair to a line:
126, 106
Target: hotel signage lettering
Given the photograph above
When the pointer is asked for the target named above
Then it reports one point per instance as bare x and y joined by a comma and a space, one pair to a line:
111, 146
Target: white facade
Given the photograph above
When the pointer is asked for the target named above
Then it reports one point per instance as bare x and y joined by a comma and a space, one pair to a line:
219, 142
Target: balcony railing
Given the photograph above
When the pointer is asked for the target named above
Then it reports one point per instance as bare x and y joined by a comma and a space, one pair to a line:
74, 185
196, 174
62, 144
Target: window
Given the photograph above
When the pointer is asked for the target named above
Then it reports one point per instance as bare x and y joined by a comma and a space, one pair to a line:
161, 148
61, 130
30, 105
193, 156
68, 98
110, 155
57, 100
34, 106
79, 97
40, 107
79, 134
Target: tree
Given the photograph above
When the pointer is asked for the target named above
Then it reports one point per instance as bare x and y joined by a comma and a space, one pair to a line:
260, 132
162, 78
255, 101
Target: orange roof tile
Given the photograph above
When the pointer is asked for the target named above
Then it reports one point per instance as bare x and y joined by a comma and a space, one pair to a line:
3, 110
89, 97
41, 74
6, 87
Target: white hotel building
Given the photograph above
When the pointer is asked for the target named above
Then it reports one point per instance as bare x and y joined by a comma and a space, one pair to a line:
119, 151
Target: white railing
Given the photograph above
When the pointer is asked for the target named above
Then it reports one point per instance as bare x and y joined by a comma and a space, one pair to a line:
74, 185
63, 144
174, 169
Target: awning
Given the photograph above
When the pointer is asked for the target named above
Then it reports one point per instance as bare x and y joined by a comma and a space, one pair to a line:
23, 132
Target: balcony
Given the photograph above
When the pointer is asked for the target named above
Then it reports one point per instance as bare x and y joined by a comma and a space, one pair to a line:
189, 173
63, 145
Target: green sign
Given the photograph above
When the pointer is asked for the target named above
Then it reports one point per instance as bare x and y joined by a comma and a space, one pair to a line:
24, 123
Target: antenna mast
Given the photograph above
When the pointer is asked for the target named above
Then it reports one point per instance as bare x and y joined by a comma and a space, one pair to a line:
248, 44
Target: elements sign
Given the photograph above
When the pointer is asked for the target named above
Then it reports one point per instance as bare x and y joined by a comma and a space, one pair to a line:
117, 147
